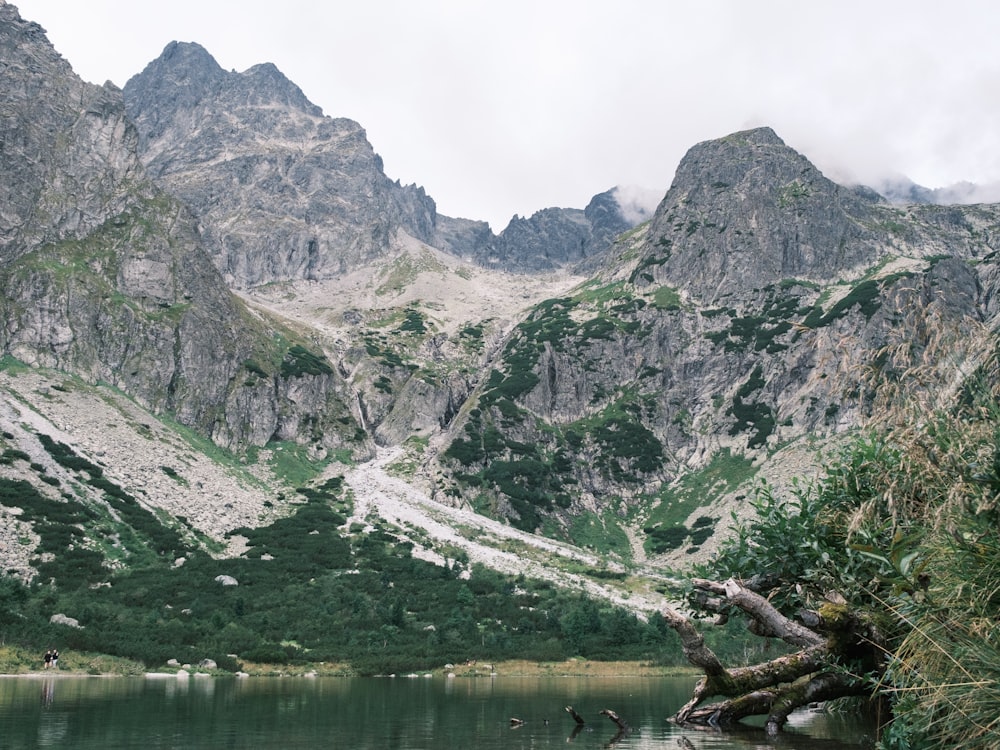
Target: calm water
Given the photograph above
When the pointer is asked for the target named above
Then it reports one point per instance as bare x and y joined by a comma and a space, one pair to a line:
371, 713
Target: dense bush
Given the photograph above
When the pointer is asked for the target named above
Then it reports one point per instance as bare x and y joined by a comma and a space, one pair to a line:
904, 527
306, 592
300, 361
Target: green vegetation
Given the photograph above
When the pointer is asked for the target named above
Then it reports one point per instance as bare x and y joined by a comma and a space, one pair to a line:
756, 417
902, 534
254, 369
161, 539
307, 592
379, 349
865, 296
602, 533
792, 193
299, 361
414, 321
292, 464
761, 331
641, 272
472, 337
534, 477
664, 525
667, 298
626, 447
539, 476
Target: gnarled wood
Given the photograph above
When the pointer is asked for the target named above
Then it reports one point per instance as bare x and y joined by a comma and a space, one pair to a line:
618, 720
777, 687
693, 644
772, 623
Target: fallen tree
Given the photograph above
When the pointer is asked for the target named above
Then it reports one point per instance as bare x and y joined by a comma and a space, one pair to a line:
839, 650
880, 577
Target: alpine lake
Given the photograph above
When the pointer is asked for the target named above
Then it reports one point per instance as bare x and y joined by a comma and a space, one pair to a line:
379, 713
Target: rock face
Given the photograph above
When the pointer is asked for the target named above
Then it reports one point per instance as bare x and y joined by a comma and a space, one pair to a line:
70, 622
560, 237
67, 149
761, 305
105, 276
285, 193
745, 211
282, 191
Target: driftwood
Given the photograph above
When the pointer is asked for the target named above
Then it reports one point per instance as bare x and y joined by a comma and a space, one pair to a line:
619, 721
623, 728
777, 687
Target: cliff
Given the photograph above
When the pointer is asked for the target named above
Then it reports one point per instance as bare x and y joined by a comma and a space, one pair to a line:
763, 312
106, 276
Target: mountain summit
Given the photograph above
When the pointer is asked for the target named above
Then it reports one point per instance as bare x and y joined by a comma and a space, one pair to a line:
282, 191
747, 209
285, 193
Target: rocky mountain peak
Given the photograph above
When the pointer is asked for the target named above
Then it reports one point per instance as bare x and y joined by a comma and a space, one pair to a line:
268, 85
748, 160
188, 70
747, 209
185, 91
66, 146
188, 57
282, 192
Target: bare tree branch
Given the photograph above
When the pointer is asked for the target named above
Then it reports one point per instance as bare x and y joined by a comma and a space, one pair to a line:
777, 687
774, 624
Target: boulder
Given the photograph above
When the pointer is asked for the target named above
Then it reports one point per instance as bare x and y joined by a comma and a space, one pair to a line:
61, 619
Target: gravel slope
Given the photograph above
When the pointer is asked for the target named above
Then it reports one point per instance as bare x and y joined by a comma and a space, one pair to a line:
431, 525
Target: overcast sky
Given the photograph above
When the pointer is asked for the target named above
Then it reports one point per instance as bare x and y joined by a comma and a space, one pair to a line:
501, 108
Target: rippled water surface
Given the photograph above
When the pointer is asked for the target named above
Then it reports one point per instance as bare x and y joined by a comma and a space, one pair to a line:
378, 713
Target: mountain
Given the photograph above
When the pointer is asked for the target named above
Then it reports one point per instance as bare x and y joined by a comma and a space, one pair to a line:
559, 237
762, 312
281, 191
288, 199
105, 276
216, 300
284, 193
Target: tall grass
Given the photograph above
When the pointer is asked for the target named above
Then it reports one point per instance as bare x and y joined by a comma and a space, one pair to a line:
905, 525
944, 677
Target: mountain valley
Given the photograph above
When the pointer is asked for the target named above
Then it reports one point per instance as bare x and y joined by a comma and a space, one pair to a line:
219, 314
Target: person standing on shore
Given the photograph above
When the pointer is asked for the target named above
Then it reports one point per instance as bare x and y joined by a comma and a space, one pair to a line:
48, 658
55, 658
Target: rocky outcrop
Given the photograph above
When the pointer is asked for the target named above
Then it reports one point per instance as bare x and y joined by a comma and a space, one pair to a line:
747, 211
556, 238
761, 305
282, 192
67, 153
105, 276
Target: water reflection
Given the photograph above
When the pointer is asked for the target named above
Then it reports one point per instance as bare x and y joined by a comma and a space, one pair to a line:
376, 713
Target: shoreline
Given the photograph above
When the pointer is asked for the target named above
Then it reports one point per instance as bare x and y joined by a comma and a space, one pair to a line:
501, 669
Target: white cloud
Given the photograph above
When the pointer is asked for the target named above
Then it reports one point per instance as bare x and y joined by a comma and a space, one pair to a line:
637, 204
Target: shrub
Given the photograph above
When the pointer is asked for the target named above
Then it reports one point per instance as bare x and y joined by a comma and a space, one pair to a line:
299, 361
